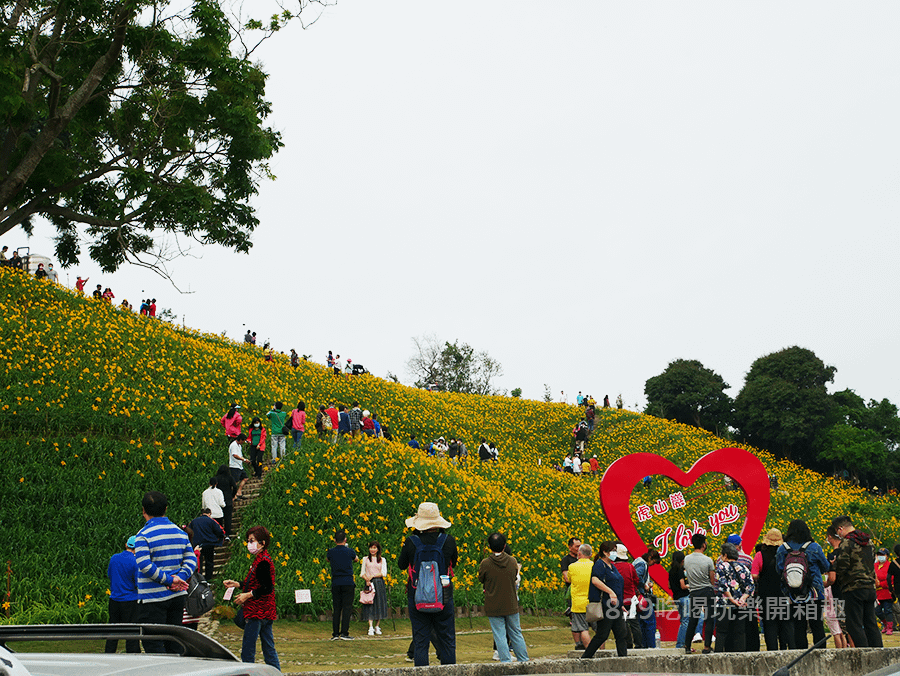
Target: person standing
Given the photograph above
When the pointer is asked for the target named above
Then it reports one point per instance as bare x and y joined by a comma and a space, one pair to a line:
123, 594
355, 419
165, 561
151, 311
777, 628
257, 444
236, 462
734, 588
430, 527
213, 499
497, 574
333, 415
208, 535
225, 483
632, 596
258, 599
231, 421
808, 601
701, 579
579, 585
341, 558
836, 625
680, 595
298, 424
374, 570
884, 610
647, 608
40, 273
277, 419
344, 421
607, 588
79, 283
854, 573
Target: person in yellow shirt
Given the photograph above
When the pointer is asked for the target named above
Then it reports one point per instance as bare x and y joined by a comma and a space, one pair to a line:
580, 583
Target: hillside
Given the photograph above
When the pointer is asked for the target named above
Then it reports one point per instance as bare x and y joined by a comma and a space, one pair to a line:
99, 405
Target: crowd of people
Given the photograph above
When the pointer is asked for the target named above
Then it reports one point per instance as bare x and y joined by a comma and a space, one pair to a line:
149, 580
788, 589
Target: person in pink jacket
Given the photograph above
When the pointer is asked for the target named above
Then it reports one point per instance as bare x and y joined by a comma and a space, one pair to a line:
231, 421
883, 594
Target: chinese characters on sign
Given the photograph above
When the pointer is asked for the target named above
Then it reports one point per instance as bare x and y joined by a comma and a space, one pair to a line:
728, 514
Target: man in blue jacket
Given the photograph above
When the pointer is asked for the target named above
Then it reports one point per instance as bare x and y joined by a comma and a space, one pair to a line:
123, 594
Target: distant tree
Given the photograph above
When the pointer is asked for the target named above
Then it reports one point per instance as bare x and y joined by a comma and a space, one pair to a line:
864, 437
548, 395
453, 367
784, 405
516, 392
390, 376
689, 393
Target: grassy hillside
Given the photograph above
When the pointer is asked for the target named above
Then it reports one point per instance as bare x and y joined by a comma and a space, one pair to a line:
99, 405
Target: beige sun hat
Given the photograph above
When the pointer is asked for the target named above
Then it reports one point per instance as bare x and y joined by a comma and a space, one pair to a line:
773, 537
428, 516
621, 552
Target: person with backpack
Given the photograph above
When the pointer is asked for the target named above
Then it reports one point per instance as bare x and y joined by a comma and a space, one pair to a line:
207, 535
777, 628
801, 563
854, 573
498, 574
257, 600
429, 555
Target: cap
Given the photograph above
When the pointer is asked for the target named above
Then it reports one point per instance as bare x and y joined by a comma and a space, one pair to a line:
131, 542
733, 539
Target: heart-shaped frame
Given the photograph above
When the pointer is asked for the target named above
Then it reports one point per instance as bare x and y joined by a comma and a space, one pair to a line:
622, 476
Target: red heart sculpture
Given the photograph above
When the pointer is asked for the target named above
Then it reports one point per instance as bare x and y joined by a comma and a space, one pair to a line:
622, 476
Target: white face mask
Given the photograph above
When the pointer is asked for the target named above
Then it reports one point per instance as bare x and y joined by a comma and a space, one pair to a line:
881, 559
612, 556
256, 424
253, 547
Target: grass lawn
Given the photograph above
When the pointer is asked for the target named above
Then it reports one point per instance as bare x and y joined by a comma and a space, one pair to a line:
307, 646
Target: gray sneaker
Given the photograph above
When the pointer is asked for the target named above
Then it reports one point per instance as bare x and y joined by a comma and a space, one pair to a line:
346, 638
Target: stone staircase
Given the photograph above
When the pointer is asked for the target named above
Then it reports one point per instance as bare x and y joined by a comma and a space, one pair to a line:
250, 493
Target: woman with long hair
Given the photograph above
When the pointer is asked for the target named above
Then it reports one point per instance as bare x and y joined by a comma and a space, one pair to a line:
298, 424
807, 602
231, 421
680, 594
257, 599
374, 570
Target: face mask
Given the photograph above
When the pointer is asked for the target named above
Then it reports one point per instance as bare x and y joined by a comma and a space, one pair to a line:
253, 547
881, 559
256, 424
612, 556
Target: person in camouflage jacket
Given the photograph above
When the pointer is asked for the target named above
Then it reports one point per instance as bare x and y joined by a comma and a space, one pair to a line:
854, 573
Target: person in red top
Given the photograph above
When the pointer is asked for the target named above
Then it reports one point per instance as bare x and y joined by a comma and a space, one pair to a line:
632, 585
333, 414
258, 599
595, 466
884, 609
79, 283
151, 311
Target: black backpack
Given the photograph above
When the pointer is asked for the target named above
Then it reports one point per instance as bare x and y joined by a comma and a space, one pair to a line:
200, 597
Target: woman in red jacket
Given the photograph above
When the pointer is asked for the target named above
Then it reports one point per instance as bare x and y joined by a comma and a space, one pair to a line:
231, 421
884, 609
258, 599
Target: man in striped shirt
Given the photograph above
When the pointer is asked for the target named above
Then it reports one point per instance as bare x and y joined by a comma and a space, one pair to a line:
165, 561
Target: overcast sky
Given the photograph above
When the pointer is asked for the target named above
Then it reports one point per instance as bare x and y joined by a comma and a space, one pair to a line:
587, 190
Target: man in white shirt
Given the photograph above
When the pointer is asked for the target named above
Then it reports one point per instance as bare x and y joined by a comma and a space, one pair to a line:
214, 500
236, 462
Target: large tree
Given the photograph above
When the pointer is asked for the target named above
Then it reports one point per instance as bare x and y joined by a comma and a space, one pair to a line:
453, 367
784, 405
864, 437
128, 119
690, 393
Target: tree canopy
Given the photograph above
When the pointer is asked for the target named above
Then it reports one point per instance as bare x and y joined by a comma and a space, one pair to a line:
784, 404
689, 393
132, 120
453, 367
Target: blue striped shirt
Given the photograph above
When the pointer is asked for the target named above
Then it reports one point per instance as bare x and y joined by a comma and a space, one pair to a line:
162, 551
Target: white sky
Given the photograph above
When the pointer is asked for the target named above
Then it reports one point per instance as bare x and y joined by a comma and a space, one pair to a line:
587, 190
